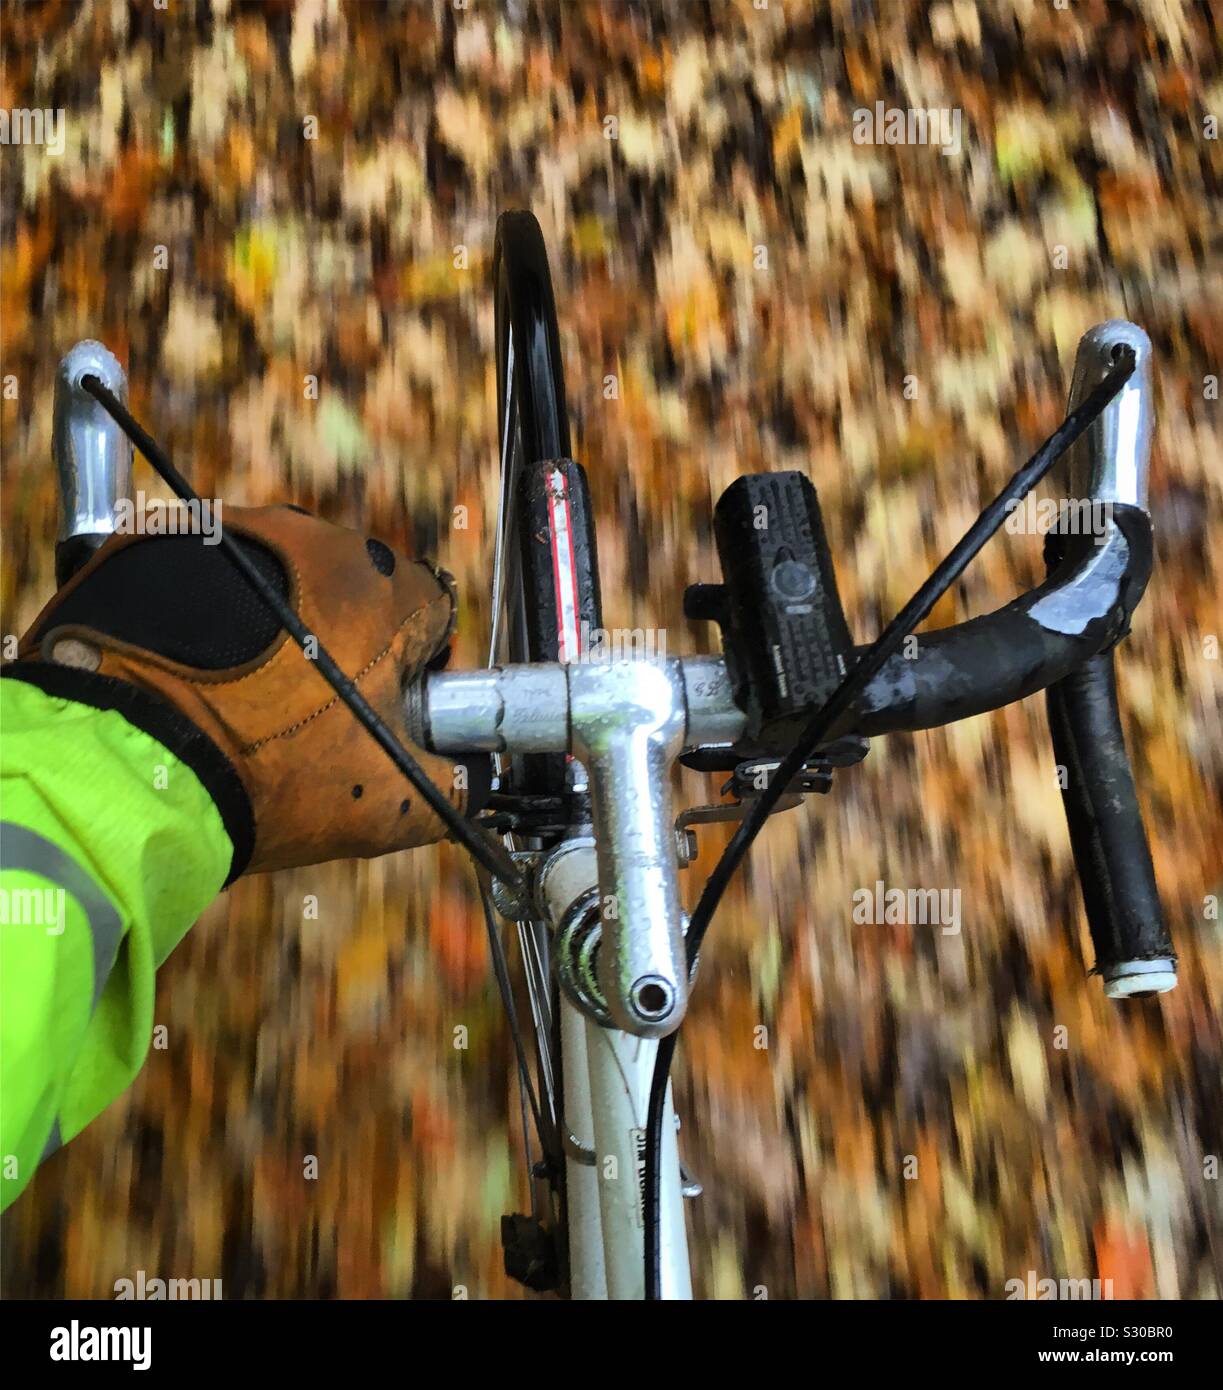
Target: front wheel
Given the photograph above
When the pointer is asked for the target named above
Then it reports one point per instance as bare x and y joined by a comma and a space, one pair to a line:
545, 601
594, 1081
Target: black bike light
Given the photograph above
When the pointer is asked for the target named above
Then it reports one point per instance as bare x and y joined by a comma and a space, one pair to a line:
786, 639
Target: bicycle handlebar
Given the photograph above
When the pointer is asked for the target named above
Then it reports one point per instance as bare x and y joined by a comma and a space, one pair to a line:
627, 721
1094, 582
1133, 948
1082, 608
1058, 637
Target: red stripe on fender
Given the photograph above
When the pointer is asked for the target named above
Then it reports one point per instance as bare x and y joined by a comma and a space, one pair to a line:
564, 567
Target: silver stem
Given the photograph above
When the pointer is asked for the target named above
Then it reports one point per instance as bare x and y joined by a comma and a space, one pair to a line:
627, 719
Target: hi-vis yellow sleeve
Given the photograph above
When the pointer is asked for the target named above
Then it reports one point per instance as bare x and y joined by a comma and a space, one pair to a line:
109, 849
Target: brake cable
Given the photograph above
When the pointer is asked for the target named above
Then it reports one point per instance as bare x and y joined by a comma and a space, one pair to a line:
486, 851
816, 731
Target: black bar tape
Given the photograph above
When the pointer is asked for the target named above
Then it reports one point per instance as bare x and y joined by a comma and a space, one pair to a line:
990, 661
1106, 830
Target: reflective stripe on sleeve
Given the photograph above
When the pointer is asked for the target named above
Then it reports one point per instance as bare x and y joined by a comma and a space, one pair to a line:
23, 850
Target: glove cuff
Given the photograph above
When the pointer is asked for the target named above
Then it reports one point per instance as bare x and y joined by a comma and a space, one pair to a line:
174, 731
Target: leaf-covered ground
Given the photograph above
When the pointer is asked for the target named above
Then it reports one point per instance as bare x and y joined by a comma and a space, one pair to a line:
933, 1114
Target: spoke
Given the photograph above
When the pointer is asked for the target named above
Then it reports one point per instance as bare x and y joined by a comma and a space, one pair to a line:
501, 970
533, 961
510, 457
537, 993
526, 1149
539, 946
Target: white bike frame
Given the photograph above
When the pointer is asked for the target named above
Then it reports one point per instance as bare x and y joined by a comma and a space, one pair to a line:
626, 721
606, 1072
607, 1085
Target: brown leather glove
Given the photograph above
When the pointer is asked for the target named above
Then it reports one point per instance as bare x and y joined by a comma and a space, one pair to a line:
167, 631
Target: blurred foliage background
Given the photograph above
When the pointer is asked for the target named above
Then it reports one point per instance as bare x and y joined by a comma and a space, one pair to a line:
355, 248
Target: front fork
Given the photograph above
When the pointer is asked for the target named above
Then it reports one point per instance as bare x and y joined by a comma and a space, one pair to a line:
607, 1077
607, 1087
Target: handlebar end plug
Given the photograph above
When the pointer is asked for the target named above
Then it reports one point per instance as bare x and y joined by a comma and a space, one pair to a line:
1139, 979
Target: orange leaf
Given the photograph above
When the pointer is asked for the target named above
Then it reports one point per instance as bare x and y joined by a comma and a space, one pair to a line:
1123, 1256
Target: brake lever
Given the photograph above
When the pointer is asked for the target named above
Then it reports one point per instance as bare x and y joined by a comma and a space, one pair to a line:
93, 457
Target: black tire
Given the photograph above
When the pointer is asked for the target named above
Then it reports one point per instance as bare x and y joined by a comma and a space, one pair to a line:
525, 303
552, 582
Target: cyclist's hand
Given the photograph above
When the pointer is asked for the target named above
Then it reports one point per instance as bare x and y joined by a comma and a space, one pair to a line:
165, 629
